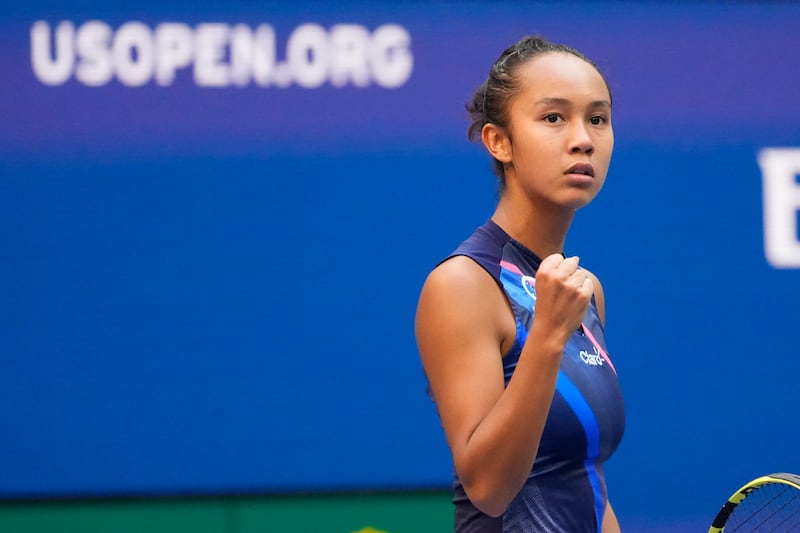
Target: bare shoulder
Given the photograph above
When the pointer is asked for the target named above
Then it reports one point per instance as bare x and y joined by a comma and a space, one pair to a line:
461, 324
458, 290
460, 274
599, 296
458, 269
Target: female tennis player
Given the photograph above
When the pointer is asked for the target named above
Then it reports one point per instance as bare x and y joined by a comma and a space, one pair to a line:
509, 329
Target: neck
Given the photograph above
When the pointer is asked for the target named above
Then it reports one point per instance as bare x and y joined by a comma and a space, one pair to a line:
541, 228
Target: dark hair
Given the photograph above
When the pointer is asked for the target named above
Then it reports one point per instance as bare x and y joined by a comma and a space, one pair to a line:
489, 104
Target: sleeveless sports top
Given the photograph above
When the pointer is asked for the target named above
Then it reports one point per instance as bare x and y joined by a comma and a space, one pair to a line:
566, 489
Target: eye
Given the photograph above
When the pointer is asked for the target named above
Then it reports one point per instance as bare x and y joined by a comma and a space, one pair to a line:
598, 120
553, 118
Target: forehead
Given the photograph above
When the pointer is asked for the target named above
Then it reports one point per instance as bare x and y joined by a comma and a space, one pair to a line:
561, 75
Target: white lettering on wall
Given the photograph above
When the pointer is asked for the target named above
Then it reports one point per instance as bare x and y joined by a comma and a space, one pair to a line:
221, 55
390, 55
173, 43
351, 63
780, 168
133, 54
92, 45
53, 65
209, 67
252, 55
307, 56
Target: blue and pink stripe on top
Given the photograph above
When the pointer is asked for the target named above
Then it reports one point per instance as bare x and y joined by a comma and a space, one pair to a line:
528, 281
566, 489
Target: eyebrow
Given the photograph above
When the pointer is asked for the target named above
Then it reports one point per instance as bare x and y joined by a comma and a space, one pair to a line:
564, 101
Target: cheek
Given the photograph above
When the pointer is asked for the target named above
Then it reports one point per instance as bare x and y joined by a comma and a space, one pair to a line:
604, 148
602, 175
609, 142
542, 151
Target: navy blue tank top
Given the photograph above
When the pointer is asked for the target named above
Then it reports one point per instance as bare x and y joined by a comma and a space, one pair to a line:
566, 489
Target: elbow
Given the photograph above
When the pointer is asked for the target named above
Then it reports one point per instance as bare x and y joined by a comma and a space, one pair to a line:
490, 504
491, 486
493, 510
489, 498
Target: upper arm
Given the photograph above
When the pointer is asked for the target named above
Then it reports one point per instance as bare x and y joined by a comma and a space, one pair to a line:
459, 336
610, 522
599, 297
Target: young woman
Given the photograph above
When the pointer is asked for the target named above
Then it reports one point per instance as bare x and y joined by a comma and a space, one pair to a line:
510, 331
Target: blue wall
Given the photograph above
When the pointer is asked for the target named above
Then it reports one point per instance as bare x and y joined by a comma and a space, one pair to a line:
211, 289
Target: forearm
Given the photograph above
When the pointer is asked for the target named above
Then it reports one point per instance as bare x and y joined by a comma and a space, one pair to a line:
498, 456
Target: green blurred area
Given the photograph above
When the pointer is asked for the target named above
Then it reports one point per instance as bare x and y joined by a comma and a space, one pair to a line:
397, 512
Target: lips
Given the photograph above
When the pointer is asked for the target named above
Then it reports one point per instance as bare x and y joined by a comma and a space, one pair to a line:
581, 168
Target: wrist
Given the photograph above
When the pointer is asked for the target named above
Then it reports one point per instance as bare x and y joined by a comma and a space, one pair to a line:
548, 342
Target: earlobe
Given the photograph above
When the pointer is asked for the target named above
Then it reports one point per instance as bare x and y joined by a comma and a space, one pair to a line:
497, 141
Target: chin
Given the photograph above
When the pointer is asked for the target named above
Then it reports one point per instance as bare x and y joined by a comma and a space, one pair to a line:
576, 201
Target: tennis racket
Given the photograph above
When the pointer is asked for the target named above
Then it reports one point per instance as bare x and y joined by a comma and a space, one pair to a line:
768, 503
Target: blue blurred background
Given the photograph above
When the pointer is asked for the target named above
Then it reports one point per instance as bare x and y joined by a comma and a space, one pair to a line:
209, 278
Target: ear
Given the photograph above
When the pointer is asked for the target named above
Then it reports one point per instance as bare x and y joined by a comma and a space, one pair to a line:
497, 141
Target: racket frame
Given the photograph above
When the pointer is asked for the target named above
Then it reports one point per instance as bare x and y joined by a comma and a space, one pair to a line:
718, 525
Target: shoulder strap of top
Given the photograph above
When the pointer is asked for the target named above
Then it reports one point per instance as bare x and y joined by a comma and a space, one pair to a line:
485, 247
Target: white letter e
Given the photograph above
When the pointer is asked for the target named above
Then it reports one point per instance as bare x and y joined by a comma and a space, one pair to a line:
780, 168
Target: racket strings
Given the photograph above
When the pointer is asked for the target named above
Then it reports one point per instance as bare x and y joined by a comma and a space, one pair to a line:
772, 507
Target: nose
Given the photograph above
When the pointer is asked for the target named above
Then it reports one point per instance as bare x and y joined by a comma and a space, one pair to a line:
580, 140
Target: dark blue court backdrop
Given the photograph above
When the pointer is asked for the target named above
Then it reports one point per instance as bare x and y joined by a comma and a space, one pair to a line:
215, 221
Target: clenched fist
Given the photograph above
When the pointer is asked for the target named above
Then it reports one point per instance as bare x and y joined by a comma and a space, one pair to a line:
563, 293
